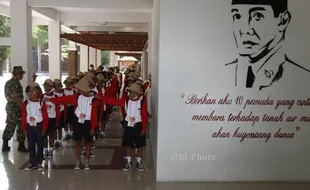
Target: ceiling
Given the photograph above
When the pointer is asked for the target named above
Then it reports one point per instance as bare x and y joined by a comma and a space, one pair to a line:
112, 25
110, 42
100, 10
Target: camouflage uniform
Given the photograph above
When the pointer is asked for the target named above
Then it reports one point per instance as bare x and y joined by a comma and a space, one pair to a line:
12, 88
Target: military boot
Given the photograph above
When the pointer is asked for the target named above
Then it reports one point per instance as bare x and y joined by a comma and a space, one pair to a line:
5, 146
21, 147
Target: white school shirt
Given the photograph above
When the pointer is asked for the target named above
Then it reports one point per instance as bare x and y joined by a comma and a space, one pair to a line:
69, 93
133, 109
95, 89
51, 108
60, 94
34, 109
84, 106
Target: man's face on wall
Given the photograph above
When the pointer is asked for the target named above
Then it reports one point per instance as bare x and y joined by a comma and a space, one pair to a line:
254, 27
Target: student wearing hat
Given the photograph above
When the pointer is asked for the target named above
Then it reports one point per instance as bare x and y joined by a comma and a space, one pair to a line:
85, 119
125, 94
53, 112
14, 94
38, 88
34, 124
135, 125
69, 91
59, 92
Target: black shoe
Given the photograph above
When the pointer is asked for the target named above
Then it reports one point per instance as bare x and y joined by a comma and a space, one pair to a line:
60, 145
31, 167
67, 138
140, 167
50, 154
127, 166
57, 145
5, 146
40, 168
22, 148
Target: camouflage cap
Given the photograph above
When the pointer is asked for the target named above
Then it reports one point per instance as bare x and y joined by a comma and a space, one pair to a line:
18, 70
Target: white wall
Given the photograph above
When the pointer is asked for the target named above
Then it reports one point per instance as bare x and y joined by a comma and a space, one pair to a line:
153, 64
195, 41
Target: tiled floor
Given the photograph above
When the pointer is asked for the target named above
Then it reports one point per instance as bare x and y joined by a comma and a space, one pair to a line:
106, 172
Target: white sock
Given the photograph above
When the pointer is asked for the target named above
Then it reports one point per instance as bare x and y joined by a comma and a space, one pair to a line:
71, 133
128, 158
67, 133
139, 159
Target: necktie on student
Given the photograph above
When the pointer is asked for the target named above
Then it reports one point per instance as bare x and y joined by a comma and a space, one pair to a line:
250, 78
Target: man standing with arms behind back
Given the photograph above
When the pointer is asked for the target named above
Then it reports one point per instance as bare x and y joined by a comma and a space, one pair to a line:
13, 91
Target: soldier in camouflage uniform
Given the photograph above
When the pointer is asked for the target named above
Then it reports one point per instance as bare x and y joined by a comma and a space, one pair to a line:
14, 94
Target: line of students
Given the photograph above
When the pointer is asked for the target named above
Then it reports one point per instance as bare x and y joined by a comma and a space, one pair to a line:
84, 107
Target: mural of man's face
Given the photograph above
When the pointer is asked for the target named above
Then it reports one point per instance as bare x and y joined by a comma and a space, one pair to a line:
255, 28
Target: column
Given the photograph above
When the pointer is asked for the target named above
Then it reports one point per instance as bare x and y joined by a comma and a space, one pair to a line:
92, 56
72, 59
54, 46
21, 38
98, 58
112, 58
83, 58
39, 59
